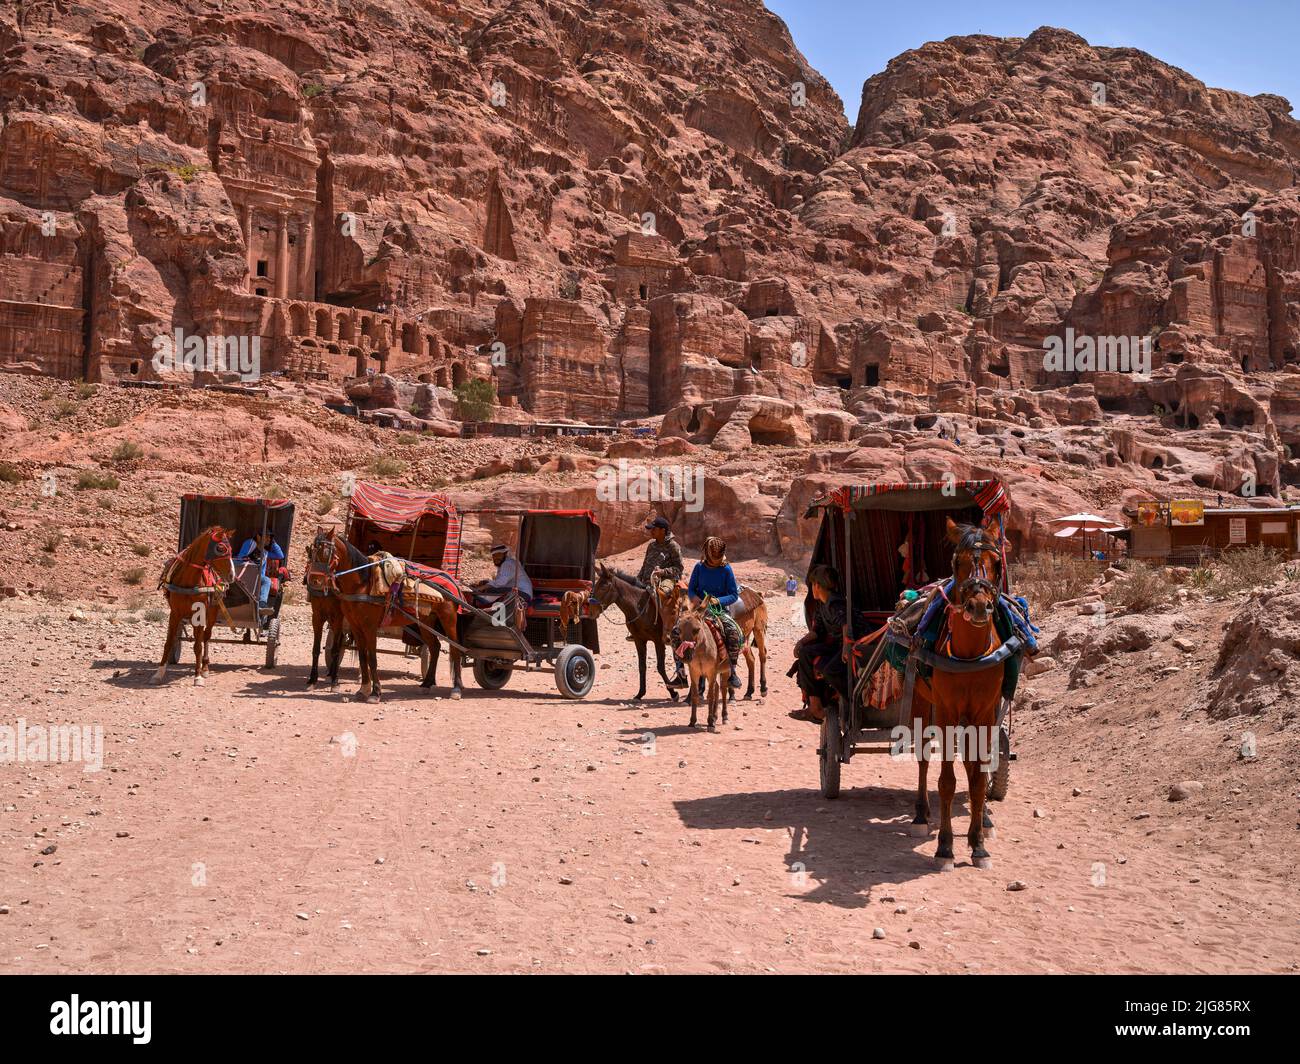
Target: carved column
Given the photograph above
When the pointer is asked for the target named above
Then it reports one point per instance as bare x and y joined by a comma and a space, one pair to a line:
283, 267
246, 220
307, 274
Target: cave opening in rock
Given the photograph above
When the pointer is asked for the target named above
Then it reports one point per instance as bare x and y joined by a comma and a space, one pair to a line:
844, 382
872, 376
1174, 358
135, 369
1157, 463
1218, 416
644, 292
1192, 422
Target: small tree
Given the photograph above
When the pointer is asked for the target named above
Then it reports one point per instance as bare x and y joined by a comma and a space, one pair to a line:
474, 399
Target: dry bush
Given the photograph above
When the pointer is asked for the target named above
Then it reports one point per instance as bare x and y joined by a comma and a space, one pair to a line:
1143, 588
384, 466
127, 451
1243, 568
8, 474
1047, 578
134, 577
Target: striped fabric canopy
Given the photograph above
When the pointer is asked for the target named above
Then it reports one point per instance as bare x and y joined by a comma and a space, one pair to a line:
400, 510
989, 495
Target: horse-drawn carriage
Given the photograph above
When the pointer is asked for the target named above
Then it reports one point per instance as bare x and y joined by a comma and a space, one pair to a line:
889, 544
237, 606
420, 526
557, 549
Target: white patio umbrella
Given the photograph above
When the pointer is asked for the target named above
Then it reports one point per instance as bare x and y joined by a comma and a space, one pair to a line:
1085, 523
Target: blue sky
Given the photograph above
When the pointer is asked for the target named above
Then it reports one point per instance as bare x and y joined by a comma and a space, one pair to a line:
1251, 46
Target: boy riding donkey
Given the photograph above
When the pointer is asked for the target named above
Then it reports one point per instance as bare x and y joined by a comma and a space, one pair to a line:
713, 583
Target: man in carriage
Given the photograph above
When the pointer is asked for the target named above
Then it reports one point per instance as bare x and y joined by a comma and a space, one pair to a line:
511, 585
262, 550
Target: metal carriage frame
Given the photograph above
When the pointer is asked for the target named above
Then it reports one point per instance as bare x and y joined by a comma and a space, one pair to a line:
845, 541
238, 608
557, 549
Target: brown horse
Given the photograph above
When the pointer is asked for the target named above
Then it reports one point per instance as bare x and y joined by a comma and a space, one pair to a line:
640, 611
361, 585
325, 609
193, 590
705, 654
963, 706
752, 618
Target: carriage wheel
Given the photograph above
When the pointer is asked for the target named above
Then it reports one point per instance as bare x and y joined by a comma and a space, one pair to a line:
575, 671
1001, 779
490, 674
176, 649
829, 753
272, 641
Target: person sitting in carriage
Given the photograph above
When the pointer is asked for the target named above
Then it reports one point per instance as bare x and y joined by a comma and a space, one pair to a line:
511, 584
819, 655
713, 580
262, 549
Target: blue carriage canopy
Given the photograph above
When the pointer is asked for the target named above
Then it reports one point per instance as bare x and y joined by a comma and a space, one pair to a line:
244, 514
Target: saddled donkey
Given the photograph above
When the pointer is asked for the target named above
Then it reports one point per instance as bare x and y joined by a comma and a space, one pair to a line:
704, 651
640, 610
193, 586
751, 616
362, 586
325, 609
963, 706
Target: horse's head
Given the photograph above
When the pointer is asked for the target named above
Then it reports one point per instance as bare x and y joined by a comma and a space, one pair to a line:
322, 560
217, 554
976, 554
974, 599
605, 589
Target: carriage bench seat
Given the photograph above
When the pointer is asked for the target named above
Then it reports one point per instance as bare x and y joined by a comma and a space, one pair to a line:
548, 593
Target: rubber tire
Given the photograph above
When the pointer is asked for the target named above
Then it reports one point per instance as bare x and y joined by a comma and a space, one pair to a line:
1000, 781
575, 671
829, 753
272, 641
490, 675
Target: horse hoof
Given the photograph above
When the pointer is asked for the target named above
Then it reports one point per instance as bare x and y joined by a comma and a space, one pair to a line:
921, 830
943, 864
198, 681
455, 695
982, 862
713, 728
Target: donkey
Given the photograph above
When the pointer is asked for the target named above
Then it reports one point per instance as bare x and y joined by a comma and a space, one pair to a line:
325, 609
193, 591
963, 706
752, 618
705, 654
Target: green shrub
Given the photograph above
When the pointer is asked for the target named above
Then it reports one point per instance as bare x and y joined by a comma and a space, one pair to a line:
474, 400
85, 389
383, 466
89, 478
127, 451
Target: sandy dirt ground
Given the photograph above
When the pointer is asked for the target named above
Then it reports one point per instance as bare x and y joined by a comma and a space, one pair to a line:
253, 826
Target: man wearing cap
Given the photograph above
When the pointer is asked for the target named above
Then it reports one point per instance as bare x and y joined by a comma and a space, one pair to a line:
663, 552
510, 578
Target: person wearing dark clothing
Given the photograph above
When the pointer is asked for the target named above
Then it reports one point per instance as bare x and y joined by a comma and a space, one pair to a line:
819, 655
663, 553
